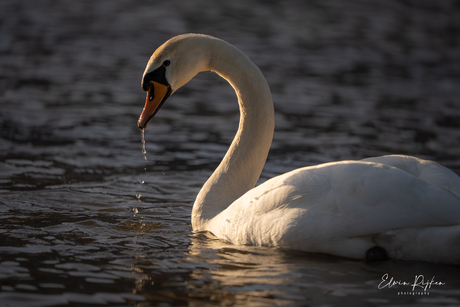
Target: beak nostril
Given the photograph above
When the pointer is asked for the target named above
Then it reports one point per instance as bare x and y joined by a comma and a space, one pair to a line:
151, 91
156, 96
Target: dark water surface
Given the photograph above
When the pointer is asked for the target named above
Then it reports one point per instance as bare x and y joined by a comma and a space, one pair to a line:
350, 79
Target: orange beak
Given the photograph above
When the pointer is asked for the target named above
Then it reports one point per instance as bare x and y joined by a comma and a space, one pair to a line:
156, 96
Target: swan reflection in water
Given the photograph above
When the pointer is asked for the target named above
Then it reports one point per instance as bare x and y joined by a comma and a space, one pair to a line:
218, 271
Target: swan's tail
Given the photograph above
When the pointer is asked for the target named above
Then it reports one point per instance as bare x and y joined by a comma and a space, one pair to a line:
433, 244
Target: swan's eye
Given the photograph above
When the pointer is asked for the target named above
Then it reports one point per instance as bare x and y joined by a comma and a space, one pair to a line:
166, 63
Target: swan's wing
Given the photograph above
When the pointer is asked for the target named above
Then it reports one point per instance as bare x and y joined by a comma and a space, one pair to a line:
376, 198
336, 200
430, 171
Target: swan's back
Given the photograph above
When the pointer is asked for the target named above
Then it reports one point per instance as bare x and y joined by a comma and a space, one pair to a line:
429, 171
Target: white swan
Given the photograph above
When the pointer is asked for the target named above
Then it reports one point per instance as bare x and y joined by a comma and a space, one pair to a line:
403, 205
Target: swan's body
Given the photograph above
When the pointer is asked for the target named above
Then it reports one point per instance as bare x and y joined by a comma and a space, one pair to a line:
407, 206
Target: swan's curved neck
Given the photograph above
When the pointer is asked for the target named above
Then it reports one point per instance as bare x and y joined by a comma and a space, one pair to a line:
243, 163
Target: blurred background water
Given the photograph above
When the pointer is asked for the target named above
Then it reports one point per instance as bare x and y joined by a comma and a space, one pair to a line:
86, 221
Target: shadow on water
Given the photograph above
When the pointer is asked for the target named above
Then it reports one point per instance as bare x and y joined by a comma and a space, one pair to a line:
86, 221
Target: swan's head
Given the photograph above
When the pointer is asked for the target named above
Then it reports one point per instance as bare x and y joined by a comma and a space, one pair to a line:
171, 66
